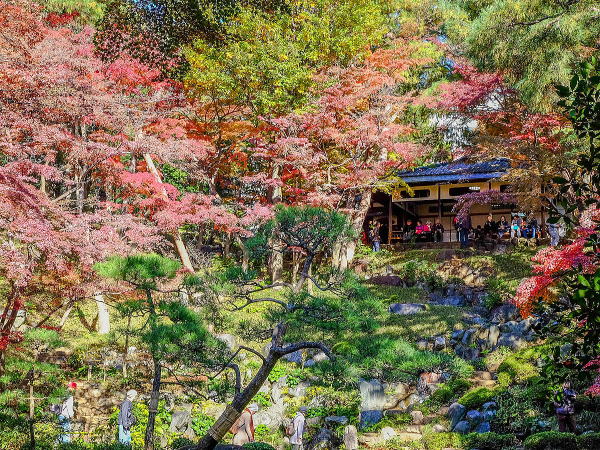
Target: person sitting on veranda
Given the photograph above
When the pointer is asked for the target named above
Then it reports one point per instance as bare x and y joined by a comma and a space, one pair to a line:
420, 231
428, 231
515, 227
438, 231
409, 230
490, 228
503, 227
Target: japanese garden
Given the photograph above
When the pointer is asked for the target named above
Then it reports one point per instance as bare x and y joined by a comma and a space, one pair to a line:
300, 224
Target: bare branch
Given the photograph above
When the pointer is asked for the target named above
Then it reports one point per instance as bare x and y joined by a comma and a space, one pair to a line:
291, 348
260, 300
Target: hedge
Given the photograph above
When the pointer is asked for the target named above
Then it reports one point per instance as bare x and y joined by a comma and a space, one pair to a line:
551, 440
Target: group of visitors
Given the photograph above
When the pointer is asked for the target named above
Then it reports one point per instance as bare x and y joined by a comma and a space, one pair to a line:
418, 231
242, 429
518, 226
66, 412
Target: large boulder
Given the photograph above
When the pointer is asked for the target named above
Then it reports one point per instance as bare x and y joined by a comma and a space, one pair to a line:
493, 336
324, 439
513, 340
368, 418
351, 437
406, 309
294, 357
299, 390
462, 427
483, 427
504, 313
272, 416
386, 280
372, 395
228, 339
474, 417
338, 420
181, 419
456, 412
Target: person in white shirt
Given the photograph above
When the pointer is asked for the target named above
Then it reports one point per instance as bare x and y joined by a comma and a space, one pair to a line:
298, 424
66, 414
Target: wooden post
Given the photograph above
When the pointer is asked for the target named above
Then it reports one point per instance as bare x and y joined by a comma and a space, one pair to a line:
390, 220
439, 205
31, 410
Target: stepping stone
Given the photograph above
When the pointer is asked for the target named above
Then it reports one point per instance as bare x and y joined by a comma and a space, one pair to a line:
405, 309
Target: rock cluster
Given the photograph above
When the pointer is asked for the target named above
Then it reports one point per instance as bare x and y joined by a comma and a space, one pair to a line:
463, 421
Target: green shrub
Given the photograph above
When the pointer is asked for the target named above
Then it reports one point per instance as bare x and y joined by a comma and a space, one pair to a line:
438, 441
263, 399
551, 440
589, 441
519, 367
392, 420
477, 397
258, 446
489, 441
519, 408
180, 442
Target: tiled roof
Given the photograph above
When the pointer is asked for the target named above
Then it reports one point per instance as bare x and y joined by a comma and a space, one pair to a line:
457, 171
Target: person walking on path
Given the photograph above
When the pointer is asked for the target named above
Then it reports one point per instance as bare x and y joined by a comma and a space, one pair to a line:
66, 414
565, 408
554, 232
375, 237
126, 418
298, 429
243, 430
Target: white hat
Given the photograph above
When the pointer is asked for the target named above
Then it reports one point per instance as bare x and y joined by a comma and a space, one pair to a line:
131, 394
253, 407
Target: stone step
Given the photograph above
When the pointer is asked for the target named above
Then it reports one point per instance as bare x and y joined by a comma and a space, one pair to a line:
483, 383
482, 375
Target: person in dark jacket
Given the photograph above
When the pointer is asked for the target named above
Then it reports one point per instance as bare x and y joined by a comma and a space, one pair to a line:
490, 228
565, 408
464, 225
438, 231
503, 227
126, 418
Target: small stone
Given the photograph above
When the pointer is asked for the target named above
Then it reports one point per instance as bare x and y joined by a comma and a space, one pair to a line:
342, 420
422, 344
437, 428
387, 433
439, 343
417, 417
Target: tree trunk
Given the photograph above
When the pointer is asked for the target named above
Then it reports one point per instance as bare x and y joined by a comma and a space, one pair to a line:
245, 254
126, 352
65, 315
103, 315
276, 254
179, 245
153, 406
276, 259
343, 251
